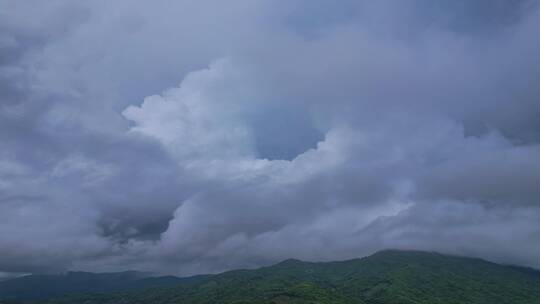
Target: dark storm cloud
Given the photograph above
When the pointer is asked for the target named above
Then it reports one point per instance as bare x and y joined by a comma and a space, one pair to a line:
180, 139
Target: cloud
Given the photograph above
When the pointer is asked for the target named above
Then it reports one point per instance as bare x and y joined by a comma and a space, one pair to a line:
180, 139
203, 117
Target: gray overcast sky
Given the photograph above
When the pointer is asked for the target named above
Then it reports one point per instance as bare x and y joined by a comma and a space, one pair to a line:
187, 137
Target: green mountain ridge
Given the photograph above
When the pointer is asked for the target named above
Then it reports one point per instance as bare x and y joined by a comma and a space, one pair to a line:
391, 276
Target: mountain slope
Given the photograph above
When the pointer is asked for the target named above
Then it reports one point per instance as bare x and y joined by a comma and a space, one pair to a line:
385, 277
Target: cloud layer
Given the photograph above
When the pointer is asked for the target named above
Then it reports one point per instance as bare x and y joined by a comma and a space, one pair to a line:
187, 137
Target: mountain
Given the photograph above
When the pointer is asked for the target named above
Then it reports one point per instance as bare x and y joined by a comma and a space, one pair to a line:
387, 277
48, 286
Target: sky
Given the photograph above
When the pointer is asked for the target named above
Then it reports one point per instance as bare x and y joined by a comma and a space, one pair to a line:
188, 137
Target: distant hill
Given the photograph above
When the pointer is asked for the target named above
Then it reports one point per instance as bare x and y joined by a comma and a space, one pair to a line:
387, 277
48, 286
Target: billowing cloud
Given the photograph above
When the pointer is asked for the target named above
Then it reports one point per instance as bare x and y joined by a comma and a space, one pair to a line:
198, 136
